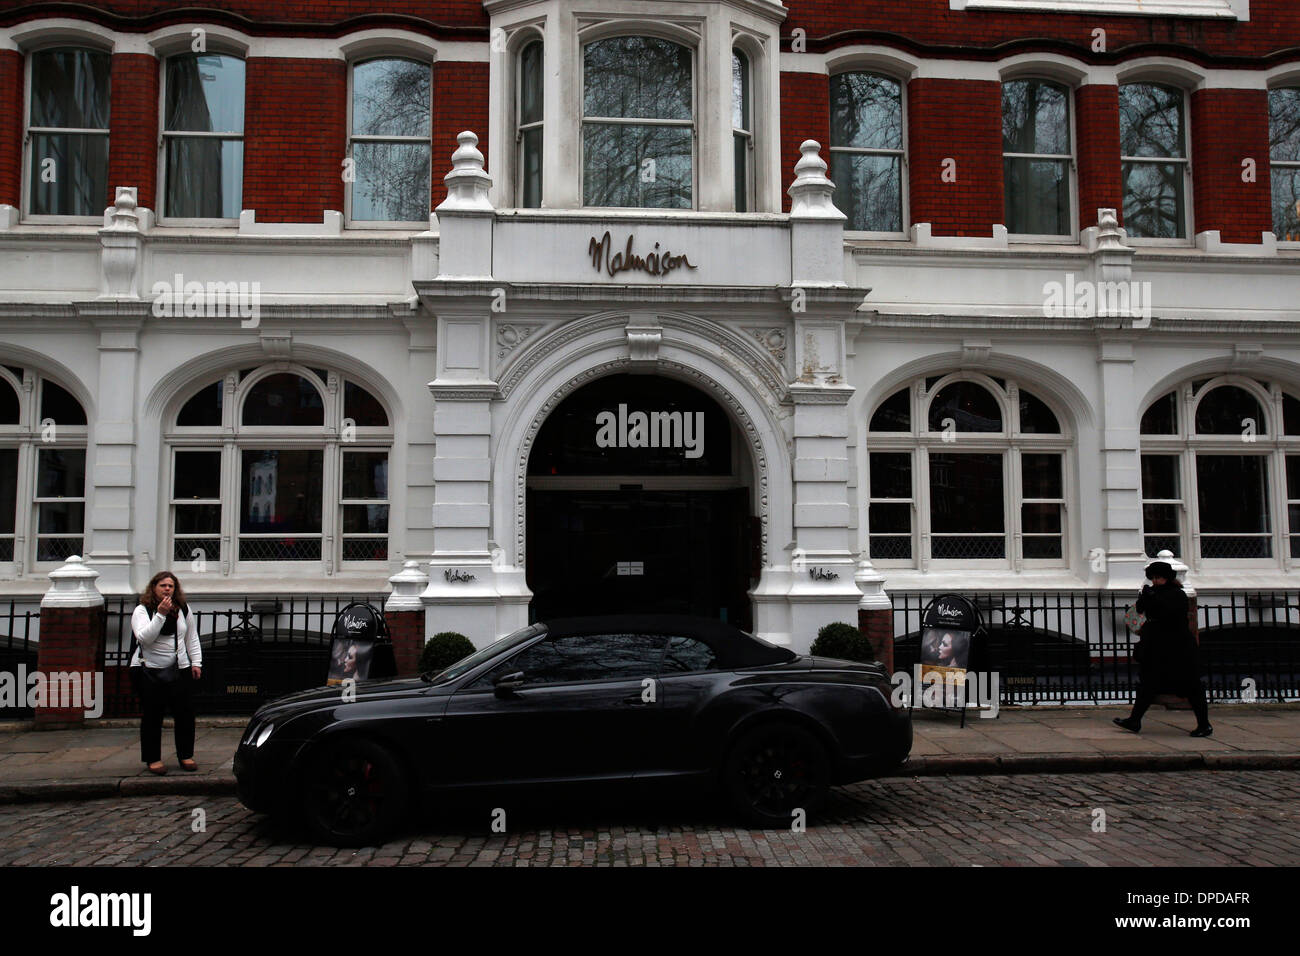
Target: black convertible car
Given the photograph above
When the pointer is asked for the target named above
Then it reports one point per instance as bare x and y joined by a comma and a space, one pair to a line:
587, 699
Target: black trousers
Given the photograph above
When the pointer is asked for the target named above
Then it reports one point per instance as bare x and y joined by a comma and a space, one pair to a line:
156, 699
1194, 692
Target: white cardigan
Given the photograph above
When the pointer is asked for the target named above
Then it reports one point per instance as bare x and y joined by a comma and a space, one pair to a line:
155, 650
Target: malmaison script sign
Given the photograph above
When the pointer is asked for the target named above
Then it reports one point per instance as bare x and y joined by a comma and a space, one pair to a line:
655, 262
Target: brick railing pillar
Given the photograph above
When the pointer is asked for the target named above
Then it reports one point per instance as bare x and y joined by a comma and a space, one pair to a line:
404, 612
876, 613
69, 654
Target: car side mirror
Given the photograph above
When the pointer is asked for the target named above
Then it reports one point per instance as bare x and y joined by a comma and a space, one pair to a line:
507, 684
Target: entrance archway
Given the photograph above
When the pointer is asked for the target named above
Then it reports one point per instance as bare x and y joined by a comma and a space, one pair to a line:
639, 500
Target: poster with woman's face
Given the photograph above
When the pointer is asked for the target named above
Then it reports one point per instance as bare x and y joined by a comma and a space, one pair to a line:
349, 660
945, 647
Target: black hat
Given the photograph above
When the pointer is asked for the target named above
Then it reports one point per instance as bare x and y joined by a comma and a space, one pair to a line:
1160, 569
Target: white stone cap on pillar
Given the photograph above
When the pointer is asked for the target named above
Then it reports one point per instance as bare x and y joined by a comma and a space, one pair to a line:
810, 193
122, 216
408, 584
872, 584
73, 585
467, 183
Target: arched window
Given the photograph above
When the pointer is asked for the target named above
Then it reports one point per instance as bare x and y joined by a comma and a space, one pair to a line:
966, 468
203, 136
1220, 479
638, 123
528, 132
391, 141
1037, 157
305, 479
67, 133
1153, 161
867, 150
42, 472
1284, 159
742, 129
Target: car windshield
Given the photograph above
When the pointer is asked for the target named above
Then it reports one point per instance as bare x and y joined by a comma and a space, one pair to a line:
466, 664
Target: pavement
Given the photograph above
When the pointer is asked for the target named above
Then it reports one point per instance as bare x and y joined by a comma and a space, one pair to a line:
103, 759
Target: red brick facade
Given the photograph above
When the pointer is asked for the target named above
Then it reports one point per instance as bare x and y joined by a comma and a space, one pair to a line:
805, 114
133, 125
460, 102
71, 640
295, 138
954, 130
1229, 127
1097, 127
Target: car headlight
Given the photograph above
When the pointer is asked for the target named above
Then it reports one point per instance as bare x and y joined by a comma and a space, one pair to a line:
263, 735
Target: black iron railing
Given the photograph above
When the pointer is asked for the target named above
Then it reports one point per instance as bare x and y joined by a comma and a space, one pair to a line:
18, 639
1074, 647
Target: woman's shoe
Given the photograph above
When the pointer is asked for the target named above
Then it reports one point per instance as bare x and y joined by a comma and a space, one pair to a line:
1202, 731
1128, 723
189, 765
158, 767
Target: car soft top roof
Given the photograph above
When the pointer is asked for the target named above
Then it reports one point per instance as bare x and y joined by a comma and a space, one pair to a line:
733, 647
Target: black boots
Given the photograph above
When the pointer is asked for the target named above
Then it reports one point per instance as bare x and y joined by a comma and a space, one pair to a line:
1128, 723
1202, 731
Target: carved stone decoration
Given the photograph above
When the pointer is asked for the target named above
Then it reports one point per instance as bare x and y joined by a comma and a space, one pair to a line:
277, 345
510, 335
1114, 260
121, 253
694, 376
1246, 355
774, 340
975, 351
643, 341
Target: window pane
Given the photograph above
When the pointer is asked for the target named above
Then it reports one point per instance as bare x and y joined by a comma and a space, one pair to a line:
1035, 417
1035, 117
1293, 476
1228, 410
198, 519
69, 174
739, 90
61, 473
1232, 499
589, 657
205, 178
687, 654
204, 409
62, 517
70, 89
57, 404
1153, 200
280, 491
205, 94
8, 492
530, 84
891, 475
1041, 476
970, 406
392, 182
637, 77
391, 98
866, 111
1150, 120
1041, 518
365, 519
1040, 549
1160, 477
1162, 417
868, 191
642, 166
8, 404
362, 407
1284, 124
284, 399
1160, 519
1286, 203
894, 414
198, 475
966, 493
890, 519
1037, 196
365, 474
532, 169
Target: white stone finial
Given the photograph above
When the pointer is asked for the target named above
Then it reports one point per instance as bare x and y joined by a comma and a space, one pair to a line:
811, 191
408, 584
73, 585
121, 242
467, 183
872, 585
1180, 569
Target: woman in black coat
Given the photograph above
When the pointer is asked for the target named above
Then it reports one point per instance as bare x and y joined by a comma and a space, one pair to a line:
1166, 654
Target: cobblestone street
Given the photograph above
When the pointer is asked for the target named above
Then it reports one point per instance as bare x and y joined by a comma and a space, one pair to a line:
1155, 819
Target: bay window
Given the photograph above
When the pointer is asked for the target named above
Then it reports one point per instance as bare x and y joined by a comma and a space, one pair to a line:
1284, 160
529, 130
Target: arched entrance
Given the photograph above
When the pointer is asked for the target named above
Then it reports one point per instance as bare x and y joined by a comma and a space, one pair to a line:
639, 500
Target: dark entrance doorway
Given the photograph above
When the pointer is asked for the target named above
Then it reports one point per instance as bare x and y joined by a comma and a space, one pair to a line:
638, 503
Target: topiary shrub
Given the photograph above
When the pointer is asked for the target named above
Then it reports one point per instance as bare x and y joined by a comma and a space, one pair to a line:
444, 649
843, 642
